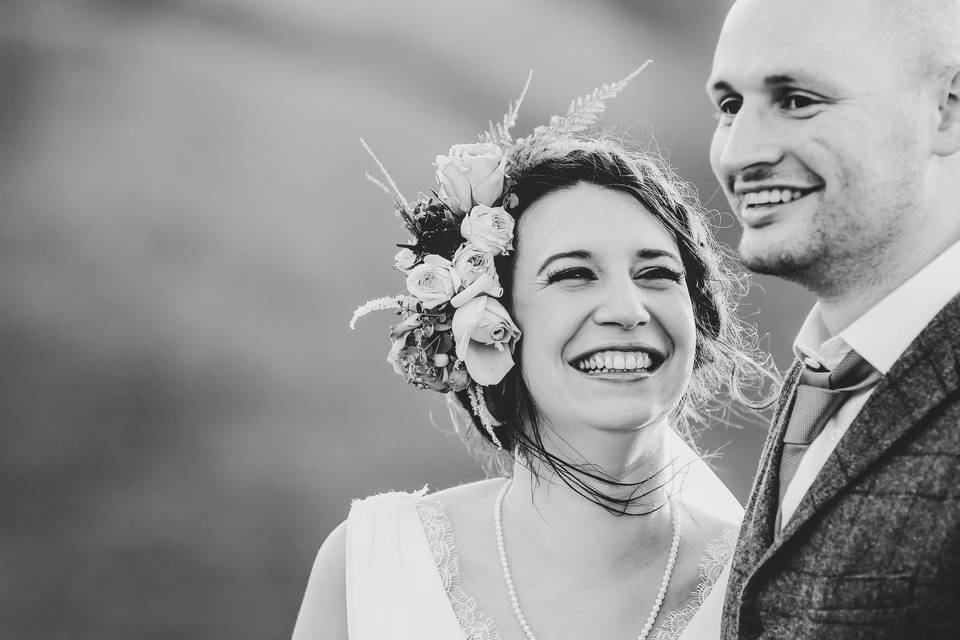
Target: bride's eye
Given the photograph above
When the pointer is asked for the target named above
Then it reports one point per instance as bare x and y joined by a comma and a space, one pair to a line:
660, 274
570, 274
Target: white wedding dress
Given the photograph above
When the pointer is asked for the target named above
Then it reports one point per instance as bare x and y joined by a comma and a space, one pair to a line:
403, 575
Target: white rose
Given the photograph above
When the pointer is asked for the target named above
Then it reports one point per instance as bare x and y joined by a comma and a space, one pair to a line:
485, 337
472, 173
405, 259
433, 282
478, 273
488, 229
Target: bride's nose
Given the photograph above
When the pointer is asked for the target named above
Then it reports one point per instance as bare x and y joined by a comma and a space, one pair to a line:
623, 303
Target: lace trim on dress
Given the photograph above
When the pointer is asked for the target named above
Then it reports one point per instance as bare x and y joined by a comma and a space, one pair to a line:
478, 626
474, 623
716, 555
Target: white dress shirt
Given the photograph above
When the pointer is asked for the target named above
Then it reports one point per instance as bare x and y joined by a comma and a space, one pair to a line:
880, 336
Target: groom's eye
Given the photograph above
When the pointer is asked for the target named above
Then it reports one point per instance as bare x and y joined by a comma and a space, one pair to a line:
797, 101
728, 106
800, 103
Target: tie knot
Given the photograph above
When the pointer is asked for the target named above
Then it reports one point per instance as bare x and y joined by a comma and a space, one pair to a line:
851, 374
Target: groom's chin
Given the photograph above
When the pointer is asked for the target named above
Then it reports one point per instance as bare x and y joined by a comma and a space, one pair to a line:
763, 258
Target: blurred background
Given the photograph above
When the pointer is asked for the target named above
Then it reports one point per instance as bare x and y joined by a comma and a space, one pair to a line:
184, 232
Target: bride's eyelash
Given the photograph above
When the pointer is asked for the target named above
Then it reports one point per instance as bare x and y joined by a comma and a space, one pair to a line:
662, 273
580, 273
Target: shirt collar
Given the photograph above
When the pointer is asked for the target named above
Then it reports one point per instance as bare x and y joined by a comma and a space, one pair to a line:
884, 332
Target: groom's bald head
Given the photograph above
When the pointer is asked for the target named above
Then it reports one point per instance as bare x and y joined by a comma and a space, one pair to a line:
928, 31
923, 35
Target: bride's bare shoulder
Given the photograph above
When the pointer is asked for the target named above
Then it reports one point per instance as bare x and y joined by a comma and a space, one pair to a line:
469, 494
469, 504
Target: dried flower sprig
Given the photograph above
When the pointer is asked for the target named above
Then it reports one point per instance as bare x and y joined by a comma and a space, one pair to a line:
377, 304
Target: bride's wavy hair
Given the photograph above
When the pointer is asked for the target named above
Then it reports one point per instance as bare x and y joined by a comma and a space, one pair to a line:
727, 364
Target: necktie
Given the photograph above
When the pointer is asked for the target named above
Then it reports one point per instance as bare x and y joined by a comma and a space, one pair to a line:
819, 395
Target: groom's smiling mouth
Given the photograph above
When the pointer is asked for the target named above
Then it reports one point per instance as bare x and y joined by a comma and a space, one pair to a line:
756, 203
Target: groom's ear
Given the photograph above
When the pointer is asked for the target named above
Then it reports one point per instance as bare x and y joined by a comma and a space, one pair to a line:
947, 136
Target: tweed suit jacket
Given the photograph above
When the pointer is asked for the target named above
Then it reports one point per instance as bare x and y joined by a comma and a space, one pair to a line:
873, 549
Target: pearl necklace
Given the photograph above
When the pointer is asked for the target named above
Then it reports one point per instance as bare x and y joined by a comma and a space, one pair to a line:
512, 591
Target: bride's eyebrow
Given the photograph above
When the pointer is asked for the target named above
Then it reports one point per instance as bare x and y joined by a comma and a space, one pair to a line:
578, 253
652, 254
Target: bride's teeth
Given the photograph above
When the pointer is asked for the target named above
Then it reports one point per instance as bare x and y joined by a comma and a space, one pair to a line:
616, 361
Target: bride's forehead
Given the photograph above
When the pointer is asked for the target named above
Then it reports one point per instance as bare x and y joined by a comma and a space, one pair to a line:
589, 215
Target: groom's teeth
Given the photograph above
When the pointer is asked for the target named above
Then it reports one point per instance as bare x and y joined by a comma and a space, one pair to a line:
770, 196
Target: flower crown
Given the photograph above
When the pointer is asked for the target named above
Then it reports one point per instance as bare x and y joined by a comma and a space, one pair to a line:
453, 334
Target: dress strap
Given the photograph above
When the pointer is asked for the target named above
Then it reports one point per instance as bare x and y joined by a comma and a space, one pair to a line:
393, 588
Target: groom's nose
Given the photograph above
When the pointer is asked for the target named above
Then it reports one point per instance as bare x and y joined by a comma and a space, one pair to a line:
752, 139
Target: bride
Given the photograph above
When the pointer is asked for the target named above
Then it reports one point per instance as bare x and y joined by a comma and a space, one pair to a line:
566, 293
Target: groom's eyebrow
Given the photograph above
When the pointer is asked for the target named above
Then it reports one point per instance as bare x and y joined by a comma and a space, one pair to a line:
720, 86
771, 81
578, 253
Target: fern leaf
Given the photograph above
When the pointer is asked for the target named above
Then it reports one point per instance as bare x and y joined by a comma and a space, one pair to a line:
583, 112
500, 133
513, 109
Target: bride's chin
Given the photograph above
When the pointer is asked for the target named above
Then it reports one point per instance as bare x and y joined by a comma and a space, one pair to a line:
629, 423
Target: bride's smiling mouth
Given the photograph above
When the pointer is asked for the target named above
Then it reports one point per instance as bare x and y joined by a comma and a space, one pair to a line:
619, 363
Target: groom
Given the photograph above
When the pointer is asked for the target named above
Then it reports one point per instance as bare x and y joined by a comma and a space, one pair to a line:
838, 147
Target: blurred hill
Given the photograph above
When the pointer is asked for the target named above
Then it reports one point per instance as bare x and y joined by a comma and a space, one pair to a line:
184, 233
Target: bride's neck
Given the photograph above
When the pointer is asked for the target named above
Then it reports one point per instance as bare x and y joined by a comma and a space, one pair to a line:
560, 521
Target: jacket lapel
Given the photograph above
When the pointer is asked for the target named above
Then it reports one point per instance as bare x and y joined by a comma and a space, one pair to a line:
926, 375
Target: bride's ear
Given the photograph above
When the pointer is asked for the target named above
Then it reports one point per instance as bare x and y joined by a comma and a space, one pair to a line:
947, 136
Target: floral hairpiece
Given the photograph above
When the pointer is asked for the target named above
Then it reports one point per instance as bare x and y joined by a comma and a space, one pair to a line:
453, 334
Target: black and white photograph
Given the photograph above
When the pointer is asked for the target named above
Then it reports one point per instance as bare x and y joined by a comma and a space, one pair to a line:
397, 320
